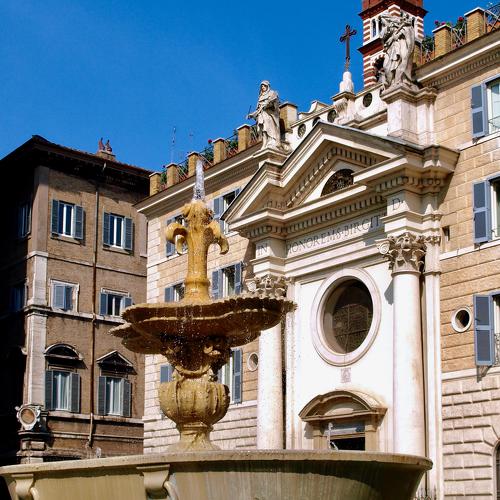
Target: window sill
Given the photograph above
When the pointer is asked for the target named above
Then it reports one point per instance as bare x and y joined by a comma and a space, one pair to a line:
117, 250
67, 239
100, 418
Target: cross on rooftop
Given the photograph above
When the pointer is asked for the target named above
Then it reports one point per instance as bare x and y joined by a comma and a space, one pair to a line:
346, 38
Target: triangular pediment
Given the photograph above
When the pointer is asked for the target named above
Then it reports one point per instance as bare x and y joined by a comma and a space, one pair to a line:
302, 177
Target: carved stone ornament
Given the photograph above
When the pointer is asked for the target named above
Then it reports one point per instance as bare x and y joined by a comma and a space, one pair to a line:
270, 285
405, 252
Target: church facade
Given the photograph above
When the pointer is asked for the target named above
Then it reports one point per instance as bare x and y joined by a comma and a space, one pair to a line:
377, 214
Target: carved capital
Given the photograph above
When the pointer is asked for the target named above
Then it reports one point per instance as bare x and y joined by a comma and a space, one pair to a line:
269, 285
405, 252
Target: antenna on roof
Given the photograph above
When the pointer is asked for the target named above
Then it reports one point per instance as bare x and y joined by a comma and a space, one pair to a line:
172, 147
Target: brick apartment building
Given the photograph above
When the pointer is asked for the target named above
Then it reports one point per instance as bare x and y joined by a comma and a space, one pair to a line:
74, 255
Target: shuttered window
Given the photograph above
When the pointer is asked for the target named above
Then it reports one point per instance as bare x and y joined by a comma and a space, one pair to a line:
221, 204
63, 295
114, 396
227, 281
62, 391
113, 303
67, 219
166, 373
485, 107
231, 374
174, 293
117, 231
23, 220
484, 329
486, 209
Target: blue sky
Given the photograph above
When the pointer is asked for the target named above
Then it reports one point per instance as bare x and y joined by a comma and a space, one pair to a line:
73, 71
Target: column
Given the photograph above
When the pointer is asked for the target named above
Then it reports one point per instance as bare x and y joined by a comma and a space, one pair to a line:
270, 377
405, 253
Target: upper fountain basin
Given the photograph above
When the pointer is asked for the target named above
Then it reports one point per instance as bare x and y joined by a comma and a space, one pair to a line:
239, 319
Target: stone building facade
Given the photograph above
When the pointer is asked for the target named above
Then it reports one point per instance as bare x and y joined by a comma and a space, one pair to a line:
378, 213
74, 256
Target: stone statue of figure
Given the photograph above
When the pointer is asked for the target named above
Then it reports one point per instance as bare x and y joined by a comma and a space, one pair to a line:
108, 147
100, 145
398, 37
267, 116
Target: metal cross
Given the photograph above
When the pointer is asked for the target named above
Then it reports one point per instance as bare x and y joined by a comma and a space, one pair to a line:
345, 38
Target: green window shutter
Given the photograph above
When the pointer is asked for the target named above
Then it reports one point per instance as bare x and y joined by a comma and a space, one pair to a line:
481, 211
170, 247
166, 373
128, 234
484, 336
127, 398
55, 217
479, 111
103, 301
101, 396
216, 283
75, 393
237, 376
105, 229
78, 222
169, 294
49, 388
238, 280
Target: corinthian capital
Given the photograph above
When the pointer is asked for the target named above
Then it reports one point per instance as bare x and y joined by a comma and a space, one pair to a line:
405, 252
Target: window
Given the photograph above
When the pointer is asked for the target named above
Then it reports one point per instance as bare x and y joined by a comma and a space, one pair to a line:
497, 474
486, 209
62, 382
221, 204
114, 391
227, 281
112, 303
166, 372
24, 220
170, 247
485, 107
339, 180
64, 296
231, 375
18, 297
486, 328
174, 293
117, 231
67, 219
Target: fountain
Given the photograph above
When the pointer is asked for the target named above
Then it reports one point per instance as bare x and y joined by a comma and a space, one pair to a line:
196, 335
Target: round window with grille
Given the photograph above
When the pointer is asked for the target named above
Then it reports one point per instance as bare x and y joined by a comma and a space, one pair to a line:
348, 316
345, 316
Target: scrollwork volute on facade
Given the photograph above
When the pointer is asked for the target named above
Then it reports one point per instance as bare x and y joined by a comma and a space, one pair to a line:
405, 252
269, 285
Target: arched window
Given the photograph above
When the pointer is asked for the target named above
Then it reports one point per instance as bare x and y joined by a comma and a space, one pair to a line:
339, 180
62, 380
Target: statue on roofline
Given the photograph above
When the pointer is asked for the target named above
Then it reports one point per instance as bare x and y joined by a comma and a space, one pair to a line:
398, 37
267, 116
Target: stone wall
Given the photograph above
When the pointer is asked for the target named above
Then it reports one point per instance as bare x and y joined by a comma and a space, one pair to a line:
471, 432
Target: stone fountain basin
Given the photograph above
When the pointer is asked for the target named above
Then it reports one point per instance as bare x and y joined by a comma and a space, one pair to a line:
239, 318
221, 475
